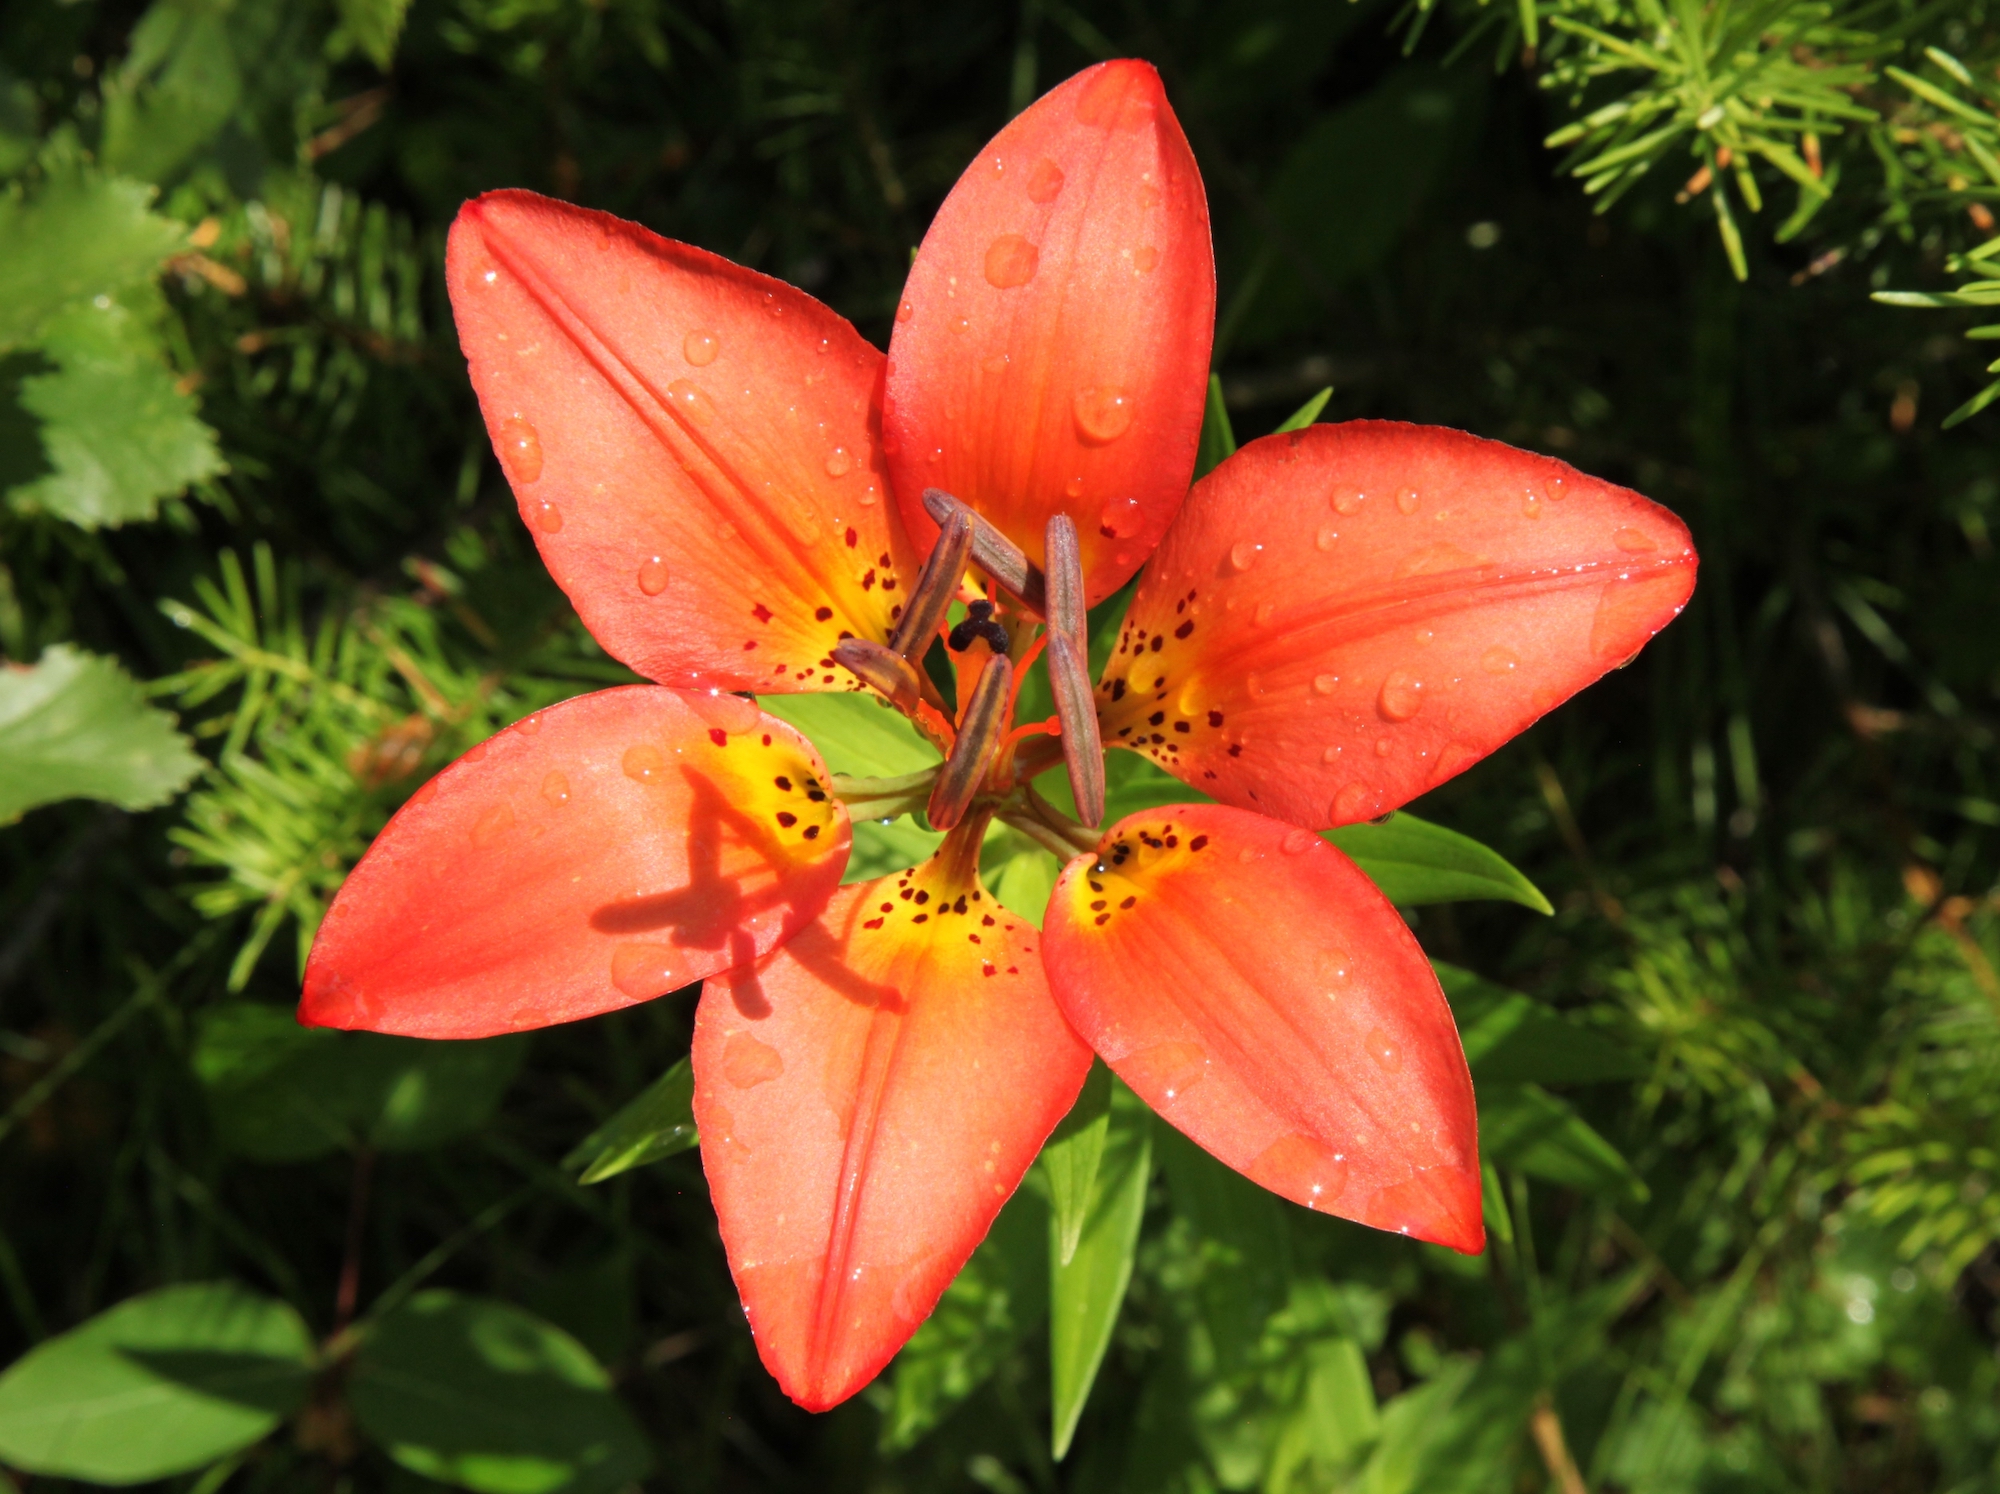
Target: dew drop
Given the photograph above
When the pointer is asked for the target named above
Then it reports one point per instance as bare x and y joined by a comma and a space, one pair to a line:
1531, 503
548, 518
747, 1063
1010, 261
1633, 541
1167, 1069
1296, 841
1326, 538
1401, 698
493, 824
1383, 746
1246, 855
1355, 802
825, 346
643, 971
1265, 611
1383, 1050
1145, 259
936, 455
1335, 967
1499, 661
962, 324
869, 495
904, 311
1329, 755
1103, 412
1045, 181
690, 402
1348, 500
1073, 488
725, 712
996, 363
1407, 500
644, 764
1243, 554
555, 789
839, 462
1325, 684
700, 348
529, 726
520, 449
1302, 1169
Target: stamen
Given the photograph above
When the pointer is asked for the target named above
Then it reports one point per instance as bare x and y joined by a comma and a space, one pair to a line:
937, 584
1065, 580
1082, 744
882, 668
978, 739
978, 623
997, 555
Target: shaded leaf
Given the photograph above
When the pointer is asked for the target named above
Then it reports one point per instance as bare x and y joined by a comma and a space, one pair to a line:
158, 1385
1070, 1160
476, 1393
1525, 1126
856, 733
374, 26
1218, 439
659, 1123
1510, 1038
83, 236
177, 87
76, 726
1414, 861
1306, 413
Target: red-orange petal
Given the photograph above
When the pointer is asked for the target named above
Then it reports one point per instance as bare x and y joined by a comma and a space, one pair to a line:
868, 1097
1346, 616
1051, 350
1257, 991
596, 854
695, 447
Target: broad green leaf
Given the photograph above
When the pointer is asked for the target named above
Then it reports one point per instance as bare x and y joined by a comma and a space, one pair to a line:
659, 1123
159, 1385
1025, 877
1086, 1292
374, 26
1332, 1421
117, 433
1070, 1160
76, 727
1218, 440
1306, 413
1511, 1039
82, 236
996, 1301
884, 846
279, 1092
1243, 1241
1133, 783
177, 87
1414, 861
1525, 1126
474, 1392
857, 733
17, 123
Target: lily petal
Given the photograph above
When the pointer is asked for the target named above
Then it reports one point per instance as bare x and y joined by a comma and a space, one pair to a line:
868, 1097
1348, 615
596, 854
1051, 350
693, 446
1254, 988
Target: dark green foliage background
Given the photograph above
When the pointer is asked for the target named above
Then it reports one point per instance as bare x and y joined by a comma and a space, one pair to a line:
1772, 842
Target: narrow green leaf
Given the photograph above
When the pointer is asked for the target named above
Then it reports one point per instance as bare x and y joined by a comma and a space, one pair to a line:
1525, 1126
83, 236
76, 726
658, 1123
1732, 240
1070, 1160
857, 733
161, 1384
1414, 861
1218, 439
1306, 413
1086, 1293
479, 1394
1511, 1039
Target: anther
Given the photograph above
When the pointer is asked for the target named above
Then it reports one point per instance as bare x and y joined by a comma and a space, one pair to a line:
997, 555
978, 623
937, 584
1082, 744
882, 668
1065, 580
978, 739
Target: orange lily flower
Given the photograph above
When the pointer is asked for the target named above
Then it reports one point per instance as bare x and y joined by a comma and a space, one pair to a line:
738, 494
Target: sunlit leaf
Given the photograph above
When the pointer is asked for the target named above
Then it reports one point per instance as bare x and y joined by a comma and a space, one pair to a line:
82, 236
1070, 1160
1510, 1038
76, 726
658, 1123
856, 733
1524, 1126
1414, 861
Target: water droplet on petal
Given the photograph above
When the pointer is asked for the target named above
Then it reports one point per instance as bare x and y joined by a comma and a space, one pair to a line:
1045, 181
653, 576
1103, 412
1246, 855
1167, 1069
1401, 698
700, 348
644, 764
961, 324
996, 363
1243, 554
643, 971
1531, 504
1296, 841
1302, 1169
1010, 261
529, 726
1145, 259
1334, 968
1329, 755
725, 712
520, 449
1499, 661
690, 402
1325, 684
1073, 488
1407, 500
904, 311
746, 1062
1384, 746
1383, 1050
1326, 537
1355, 802
493, 824
548, 518
1264, 613
1348, 500
555, 789
839, 462
1633, 541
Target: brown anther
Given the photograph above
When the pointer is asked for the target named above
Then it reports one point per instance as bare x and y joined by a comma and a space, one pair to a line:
937, 584
1064, 559
1076, 708
978, 739
881, 668
995, 554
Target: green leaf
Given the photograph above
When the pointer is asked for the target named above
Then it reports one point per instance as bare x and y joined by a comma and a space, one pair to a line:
83, 236
76, 727
1414, 861
158, 1385
177, 87
884, 846
1306, 413
474, 1392
1525, 1126
1070, 1159
857, 733
995, 1302
1243, 1242
374, 26
1086, 1292
659, 1123
1510, 1038
1218, 439
1025, 878
119, 435
279, 1092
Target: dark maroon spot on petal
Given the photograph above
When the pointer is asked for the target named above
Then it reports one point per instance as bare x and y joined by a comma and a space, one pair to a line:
921, 918
1199, 843
987, 969
852, 539
1184, 629
1182, 726
718, 736
1107, 531
987, 921
1098, 906
761, 613
782, 782
1117, 689
767, 739
1102, 918
787, 819
1159, 642
823, 614
1215, 718
812, 832
888, 907
885, 562
873, 923
1237, 750
922, 898
1156, 718
1128, 902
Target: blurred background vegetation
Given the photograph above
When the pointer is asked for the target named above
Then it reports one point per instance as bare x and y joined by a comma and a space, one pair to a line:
260, 576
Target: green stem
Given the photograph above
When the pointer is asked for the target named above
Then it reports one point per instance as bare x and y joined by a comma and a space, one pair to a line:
884, 798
